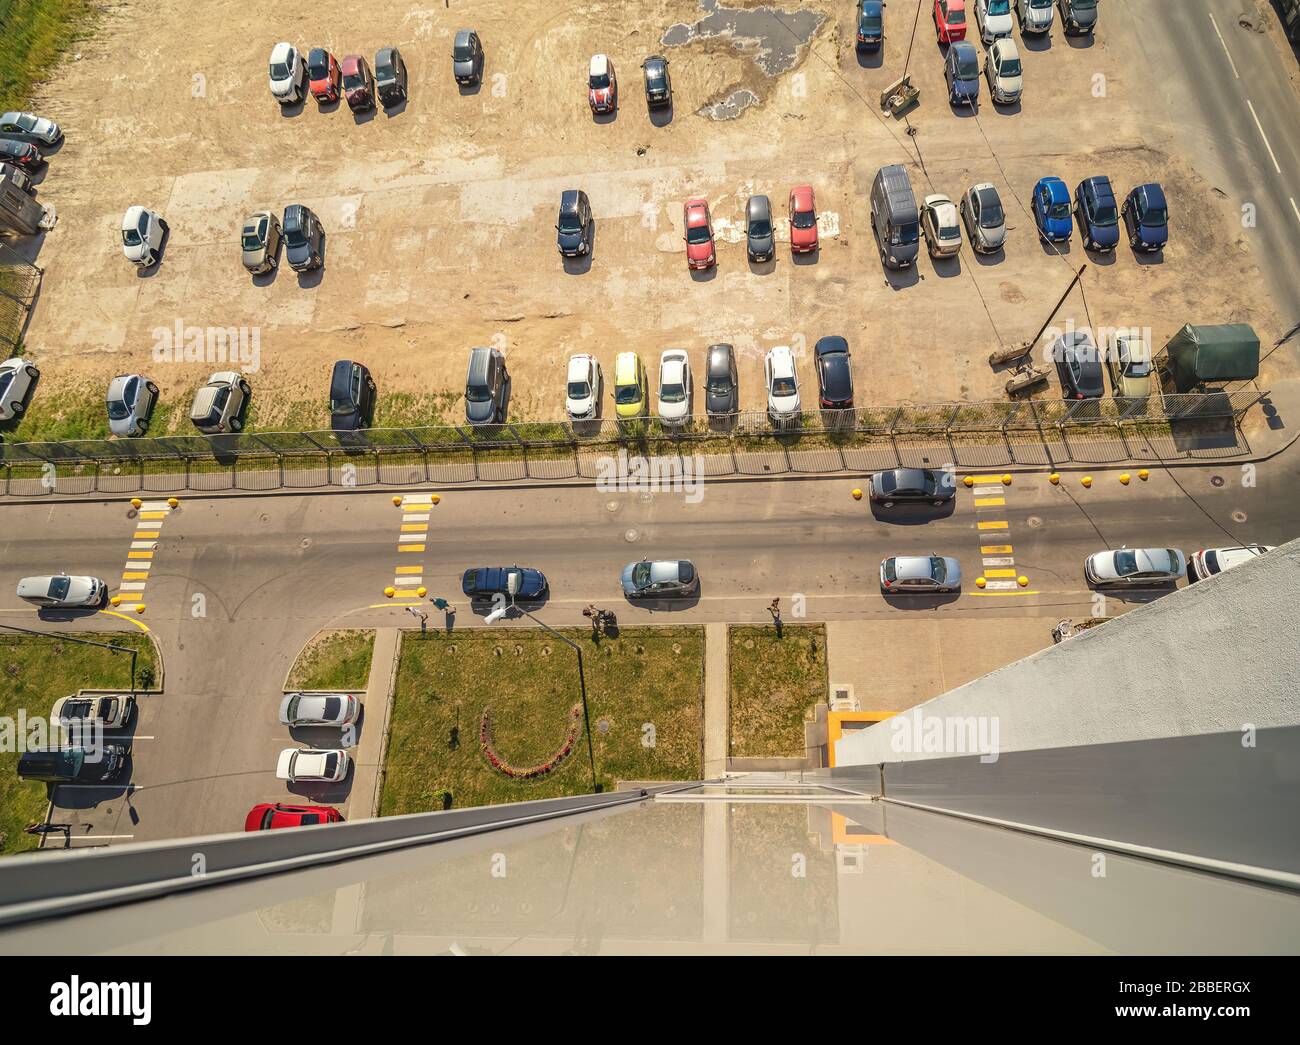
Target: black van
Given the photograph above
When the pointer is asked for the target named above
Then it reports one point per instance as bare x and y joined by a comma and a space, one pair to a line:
352, 396
73, 764
894, 217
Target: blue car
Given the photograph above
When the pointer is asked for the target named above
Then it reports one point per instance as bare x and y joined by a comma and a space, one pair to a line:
871, 24
962, 71
1052, 210
482, 583
1098, 212
1146, 216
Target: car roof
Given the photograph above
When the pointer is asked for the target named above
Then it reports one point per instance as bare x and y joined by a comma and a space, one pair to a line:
803, 196
655, 60
758, 207
830, 345
281, 51
599, 65
1100, 185
665, 570
1007, 46
1056, 188
1153, 192
569, 200
782, 360
696, 209
385, 54
352, 63
911, 567
625, 367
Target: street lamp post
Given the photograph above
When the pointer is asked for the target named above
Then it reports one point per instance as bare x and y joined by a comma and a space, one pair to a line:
512, 588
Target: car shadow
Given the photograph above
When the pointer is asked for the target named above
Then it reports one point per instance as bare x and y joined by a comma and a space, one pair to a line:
265, 279
88, 796
902, 279
989, 260
946, 268
1104, 258
394, 111
762, 268
149, 271
329, 107
917, 602
290, 112
325, 737
1035, 42
723, 423
1148, 257
913, 513
662, 116
707, 275
1006, 108
1133, 596
807, 259
1080, 41
601, 119
313, 277
667, 605
323, 792
1054, 248
870, 58
365, 116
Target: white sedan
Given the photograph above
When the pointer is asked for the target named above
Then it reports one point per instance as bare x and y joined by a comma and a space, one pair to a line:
1210, 561
142, 235
16, 379
297, 764
1135, 567
674, 387
782, 386
320, 709
941, 225
62, 591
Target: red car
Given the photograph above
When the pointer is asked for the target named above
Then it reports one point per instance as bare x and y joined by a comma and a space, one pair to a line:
269, 816
358, 83
23, 155
323, 75
803, 220
602, 85
950, 20
699, 235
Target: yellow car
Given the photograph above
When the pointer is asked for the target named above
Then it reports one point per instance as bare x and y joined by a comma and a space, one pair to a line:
631, 387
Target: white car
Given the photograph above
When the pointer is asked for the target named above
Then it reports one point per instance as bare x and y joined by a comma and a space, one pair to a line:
306, 763
1004, 72
674, 387
994, 17
1135, 567
130, 401
582, 388
288, 74
142, 235
782, 386
27, 127
1035, 15
1209, 561
941, 225
62, 591
112, 712
320, 709
16, 379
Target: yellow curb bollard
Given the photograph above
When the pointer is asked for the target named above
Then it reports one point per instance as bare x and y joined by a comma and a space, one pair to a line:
1054, 479
1086, 480
980, 582
1144, 475
136, 502
1023, 581
968, 481
172, 502
434, 498
422, 592
139, 607
1125, 478
1006, 480
397, 502
390, 591
857, 494
116, 600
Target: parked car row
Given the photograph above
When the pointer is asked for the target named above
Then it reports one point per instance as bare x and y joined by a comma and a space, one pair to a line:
292, 77
994, 18
602, 84
86, 748
23, 138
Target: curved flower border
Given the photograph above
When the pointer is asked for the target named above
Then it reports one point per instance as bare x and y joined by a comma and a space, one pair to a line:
530, 772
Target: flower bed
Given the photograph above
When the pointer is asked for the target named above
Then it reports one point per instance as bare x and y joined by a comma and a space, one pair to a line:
530, 772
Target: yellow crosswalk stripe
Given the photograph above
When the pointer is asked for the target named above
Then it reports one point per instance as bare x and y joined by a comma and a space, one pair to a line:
133, 576
410, 547
989, 502
144, 535
410, 569
995, 549
1001, 525
999, 573
415, 527
139, 555
153, 515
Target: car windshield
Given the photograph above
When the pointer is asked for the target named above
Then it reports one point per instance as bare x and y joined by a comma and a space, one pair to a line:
385, 71
353, 81
720, 386
27, 121
990, 211
59, 587
118, 410
1125, 563
1010, 67
957, 17
6, 379
949, 232
938, 570
804, 219
1040, 5
641, 574
252, 240
1083, 5
342, 404
891, 569
462, 52
598, 81
579, 390
908, 233
131, 237
477, 394
1156, 216
570, 224
698, 234
674, 393
279, 71
1106, 214
967, 65
762, 227
627, 394
999, 7
331, 765
782, 386
1058, 210
295, 236
870, 22
654, 77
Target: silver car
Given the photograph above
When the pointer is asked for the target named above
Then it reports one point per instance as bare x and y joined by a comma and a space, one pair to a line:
62, 591
112, 712
919, 575
130, 401
217, 405
26, 127
661, 578
1135, 567
986, 222
259, 242
16, 379
320, 709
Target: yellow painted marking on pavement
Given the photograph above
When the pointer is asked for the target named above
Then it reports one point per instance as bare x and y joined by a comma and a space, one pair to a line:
412, 594
995, 594
415, 527
1001, 525
989, 502
990, 480
410, 569
144, 535
139, 555
153, 515
139, 624
999, 573
995, 549
410, 547
417, 507
398, 602
135, 576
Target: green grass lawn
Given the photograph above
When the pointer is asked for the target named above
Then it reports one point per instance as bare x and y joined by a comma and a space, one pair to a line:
33, 36
36, 673
774, 683
646, 684
334, 660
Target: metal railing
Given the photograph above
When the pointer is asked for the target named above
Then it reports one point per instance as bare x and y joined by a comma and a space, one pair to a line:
19, 282
551, 449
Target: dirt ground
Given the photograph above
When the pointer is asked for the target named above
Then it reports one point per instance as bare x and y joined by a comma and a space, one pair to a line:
440, 216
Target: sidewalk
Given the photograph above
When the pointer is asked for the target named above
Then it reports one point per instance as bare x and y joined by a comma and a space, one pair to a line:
364, 799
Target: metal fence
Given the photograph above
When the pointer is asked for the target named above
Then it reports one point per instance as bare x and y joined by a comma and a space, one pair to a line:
554, 449
19, 282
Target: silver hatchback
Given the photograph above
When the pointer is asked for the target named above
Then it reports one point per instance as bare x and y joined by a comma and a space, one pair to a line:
130, 402
919, 575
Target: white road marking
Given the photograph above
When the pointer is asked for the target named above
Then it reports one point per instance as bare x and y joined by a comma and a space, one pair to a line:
1269, 147
131, 586
1295, 208
1225, 48
410, 517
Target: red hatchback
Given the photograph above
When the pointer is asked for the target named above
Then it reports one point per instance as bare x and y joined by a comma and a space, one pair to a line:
699, 235
358, 83
950, 20
269, 816
803, 220
323, 75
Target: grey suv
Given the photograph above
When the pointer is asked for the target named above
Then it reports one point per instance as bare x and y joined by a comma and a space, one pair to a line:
760, 241
304, 239
486, 387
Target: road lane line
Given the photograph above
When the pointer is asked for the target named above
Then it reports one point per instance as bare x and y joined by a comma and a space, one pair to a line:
1295, 208
1269, 147
1225, 48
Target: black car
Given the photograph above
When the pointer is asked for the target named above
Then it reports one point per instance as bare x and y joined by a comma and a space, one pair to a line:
760, 241
834, 373
390, 76
1079, 364
74, 764
574, 226
911, 486
304, 239
658, 84
22, 155
352, 396
481, 583
721, 391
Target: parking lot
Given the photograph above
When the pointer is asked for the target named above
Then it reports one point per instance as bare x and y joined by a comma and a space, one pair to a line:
439, 214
